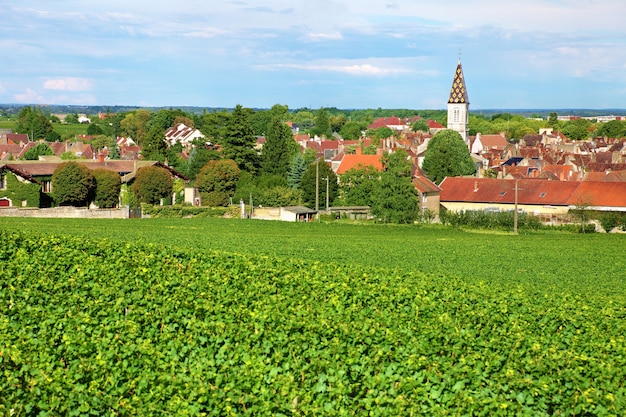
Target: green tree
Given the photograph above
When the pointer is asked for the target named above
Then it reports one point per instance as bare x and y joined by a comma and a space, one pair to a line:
322, 123
337, 122
73, 184
154, 147
94, 129
553, 120
108, 186
308, 182
396, 198
33, 122
576, 129
152, 184
135, 125
447, 155
199, 156
217, 182
305, 119
41, 149
53, 136
279, 148
71, 119
359, 186
351, 131
238, 142
612, 129
296, 170
420, 125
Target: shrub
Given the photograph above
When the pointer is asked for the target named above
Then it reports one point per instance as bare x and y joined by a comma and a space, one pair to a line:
152, 184
73, 185
108, 185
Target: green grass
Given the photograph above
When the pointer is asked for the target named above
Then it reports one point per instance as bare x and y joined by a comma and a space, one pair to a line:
243, 317
67, 131
543, 260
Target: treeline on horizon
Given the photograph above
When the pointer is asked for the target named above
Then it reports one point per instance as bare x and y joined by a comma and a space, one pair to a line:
8, 110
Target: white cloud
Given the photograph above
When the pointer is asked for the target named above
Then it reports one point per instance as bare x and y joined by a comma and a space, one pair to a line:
318, 37
29, 96
351, 69
68, 84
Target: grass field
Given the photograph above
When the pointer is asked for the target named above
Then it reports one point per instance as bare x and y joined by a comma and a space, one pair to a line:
539, 258
67, 131
243, 317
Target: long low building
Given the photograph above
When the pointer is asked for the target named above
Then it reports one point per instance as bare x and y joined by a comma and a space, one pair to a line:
534, 196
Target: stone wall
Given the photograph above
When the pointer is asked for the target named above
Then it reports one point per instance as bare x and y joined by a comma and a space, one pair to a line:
66, 212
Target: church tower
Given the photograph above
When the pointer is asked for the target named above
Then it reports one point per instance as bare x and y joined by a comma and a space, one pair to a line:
458, 105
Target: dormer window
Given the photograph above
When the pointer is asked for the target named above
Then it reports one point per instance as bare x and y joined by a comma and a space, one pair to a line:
542, 195
502, 193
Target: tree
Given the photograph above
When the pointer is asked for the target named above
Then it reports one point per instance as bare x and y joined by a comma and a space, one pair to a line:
351, 131
576, 129
337, 122
308, 184
41, 149
278, 149
396, 198
296, 171
322, 123
73, 184
94, 129
152, 184
108, 186
447, 155
33, 122
420, 125
359, 186
238, 142
135, 125
71, 118
553, 120
217, 182
200, 155
154, 147
612, 129
53, 136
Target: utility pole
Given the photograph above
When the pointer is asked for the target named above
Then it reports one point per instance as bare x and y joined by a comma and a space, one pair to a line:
317, 185
327, 203
515, 213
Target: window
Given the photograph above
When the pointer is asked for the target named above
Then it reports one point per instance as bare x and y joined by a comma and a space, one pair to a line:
457, 115
502, 193
542, 195
47, 186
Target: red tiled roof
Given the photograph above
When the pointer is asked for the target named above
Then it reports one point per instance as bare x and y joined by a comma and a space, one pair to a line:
386, 121
17, 138
490, 190
424, 185
493, 141
612, 176
359, 160
435, 125
600, 194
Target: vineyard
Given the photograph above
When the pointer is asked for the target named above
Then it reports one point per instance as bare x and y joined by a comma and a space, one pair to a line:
216, 317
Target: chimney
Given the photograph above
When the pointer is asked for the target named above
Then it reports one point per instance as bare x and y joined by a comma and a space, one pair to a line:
359, 150
475, 186
100, 157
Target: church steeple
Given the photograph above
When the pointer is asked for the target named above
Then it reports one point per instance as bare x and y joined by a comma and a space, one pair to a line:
458, 105
458, 92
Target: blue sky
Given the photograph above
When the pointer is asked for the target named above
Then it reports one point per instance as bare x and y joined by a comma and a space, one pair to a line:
314, 53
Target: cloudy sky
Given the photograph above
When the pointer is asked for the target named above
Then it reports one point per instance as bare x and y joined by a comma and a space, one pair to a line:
548, 54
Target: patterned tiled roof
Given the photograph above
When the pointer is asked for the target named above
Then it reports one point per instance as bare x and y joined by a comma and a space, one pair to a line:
458, 92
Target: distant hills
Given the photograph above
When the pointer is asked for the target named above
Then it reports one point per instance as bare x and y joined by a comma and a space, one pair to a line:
13, 108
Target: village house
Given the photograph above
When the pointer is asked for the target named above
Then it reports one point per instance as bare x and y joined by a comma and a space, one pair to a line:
182, 134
